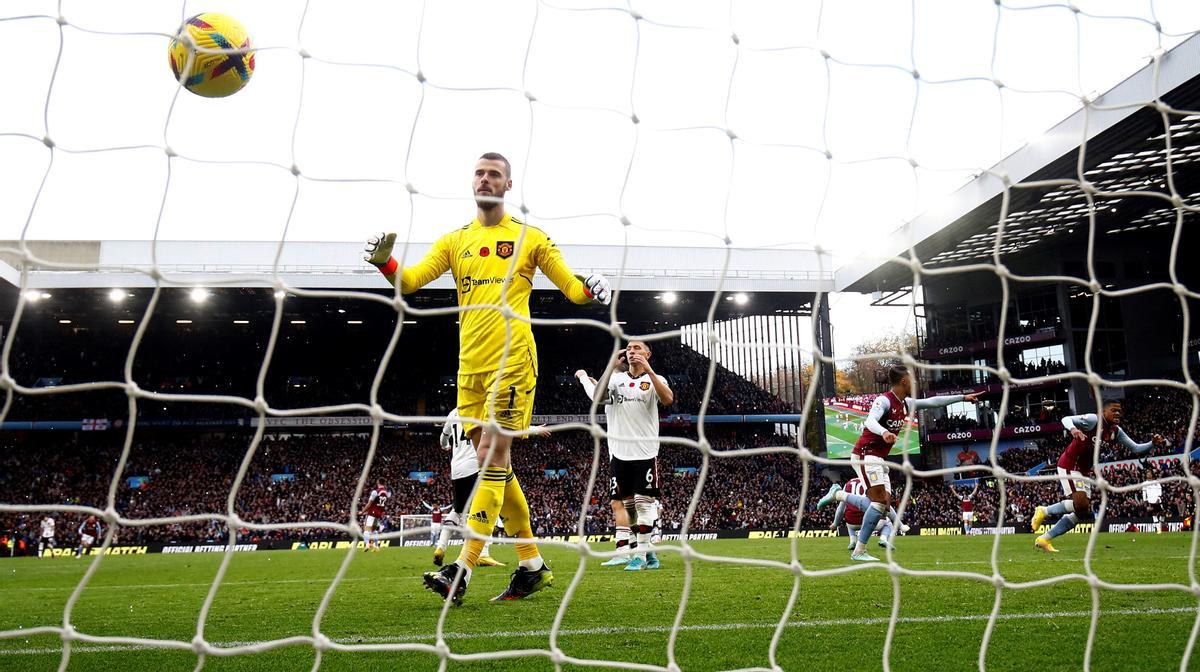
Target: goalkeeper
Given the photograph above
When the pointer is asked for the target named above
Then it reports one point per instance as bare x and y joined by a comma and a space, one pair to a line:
480, 256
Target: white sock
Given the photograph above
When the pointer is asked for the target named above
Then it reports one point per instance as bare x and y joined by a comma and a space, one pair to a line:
623, 535
486, 552
533, 564
645, 522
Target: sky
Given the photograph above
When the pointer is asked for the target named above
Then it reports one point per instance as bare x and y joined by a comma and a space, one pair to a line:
759, 140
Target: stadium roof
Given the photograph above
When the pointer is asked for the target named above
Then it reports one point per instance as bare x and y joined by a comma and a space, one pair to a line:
338, 265
1125, 151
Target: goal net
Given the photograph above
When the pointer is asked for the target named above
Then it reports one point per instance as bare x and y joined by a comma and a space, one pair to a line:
838, 131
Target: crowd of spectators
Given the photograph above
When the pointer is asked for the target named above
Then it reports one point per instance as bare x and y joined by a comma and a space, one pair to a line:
311, 477
307, 478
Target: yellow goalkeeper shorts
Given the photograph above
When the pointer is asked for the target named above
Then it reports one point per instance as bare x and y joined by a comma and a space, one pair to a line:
512, 399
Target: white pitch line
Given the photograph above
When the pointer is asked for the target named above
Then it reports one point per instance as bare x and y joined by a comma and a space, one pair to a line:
621, 630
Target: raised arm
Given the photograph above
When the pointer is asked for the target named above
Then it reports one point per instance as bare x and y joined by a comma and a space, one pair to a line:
939, 402
378, 252
578, 289
594, 391
1139, 448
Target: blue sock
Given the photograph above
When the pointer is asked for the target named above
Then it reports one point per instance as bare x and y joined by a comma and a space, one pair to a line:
870, 520
886, 532
860, 502
1063, 526
1058, 508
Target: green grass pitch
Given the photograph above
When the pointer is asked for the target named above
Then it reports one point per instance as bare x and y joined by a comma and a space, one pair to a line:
839, 441
839, 622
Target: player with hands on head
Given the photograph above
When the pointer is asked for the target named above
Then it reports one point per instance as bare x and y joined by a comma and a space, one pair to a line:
631, 392
493, 260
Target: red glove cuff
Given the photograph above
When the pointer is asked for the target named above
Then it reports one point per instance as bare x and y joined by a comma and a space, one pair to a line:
390, 267
586, 292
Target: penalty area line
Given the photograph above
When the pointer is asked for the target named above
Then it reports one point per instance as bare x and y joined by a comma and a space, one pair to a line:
620, 630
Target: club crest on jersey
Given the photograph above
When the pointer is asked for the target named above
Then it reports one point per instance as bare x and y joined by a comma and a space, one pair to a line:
504, 248
645, 385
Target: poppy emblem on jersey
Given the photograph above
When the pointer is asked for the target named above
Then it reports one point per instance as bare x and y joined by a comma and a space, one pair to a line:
645, 385
483, 251
504, 248
632, 384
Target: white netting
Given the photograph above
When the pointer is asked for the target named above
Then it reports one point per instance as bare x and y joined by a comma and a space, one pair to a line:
737, 141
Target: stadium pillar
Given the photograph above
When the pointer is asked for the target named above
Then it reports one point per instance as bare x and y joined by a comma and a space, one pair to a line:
1079, 394
823, 342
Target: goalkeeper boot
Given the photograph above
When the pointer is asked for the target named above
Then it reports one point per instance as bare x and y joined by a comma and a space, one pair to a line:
1039, 517
488, 561
652, 561
864, 557
636, 564
439, 554
1045, 545
442, 581
829, 496
526, 582
616, 561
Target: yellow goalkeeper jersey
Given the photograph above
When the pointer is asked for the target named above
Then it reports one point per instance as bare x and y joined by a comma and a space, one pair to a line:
479, 257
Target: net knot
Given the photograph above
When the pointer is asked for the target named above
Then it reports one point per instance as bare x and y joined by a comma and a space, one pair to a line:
171, 153
295, 170
260, 405
321, 642
68, 633
48, 142
557, 657
199, 646
110, 516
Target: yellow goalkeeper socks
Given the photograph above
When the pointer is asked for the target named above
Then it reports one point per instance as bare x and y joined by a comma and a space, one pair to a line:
516, 522
489, 497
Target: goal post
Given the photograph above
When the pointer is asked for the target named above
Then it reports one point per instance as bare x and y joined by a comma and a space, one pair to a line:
417, 529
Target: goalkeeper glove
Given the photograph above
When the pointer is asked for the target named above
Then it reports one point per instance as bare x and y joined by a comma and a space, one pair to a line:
378, 252
596, 287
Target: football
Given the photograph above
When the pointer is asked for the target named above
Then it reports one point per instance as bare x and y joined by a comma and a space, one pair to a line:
200, 67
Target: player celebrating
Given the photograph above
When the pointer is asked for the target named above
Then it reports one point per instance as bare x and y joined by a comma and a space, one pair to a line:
89, 531
464, 470
968, 508
493, 260
631, 399
1075, 467
373, 515
436, 514
47, 539
888, 416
